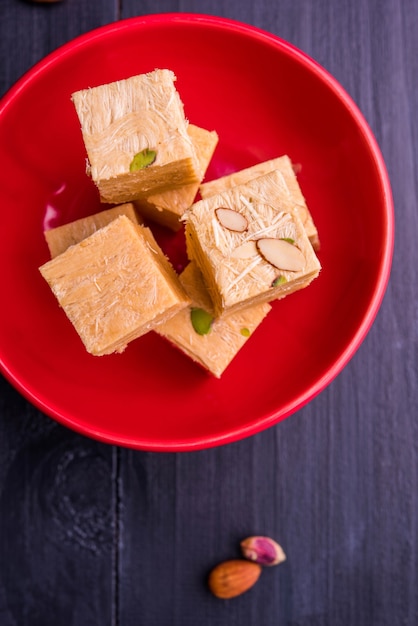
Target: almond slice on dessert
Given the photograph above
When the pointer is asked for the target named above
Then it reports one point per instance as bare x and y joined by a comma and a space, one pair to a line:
245, 250
231, 219
281, 254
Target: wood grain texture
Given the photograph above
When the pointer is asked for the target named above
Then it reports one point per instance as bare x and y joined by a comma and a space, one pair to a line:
57, 521
93, 534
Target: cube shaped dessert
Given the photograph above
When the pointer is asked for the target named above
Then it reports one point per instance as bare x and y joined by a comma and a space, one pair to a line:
250, 244
211, 342
167, 207
291, 189
135, 135
115, 285
62, 237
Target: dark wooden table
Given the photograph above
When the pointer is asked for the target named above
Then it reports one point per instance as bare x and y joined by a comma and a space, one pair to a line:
92, 534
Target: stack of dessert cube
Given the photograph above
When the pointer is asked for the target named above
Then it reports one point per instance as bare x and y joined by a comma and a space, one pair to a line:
250, 237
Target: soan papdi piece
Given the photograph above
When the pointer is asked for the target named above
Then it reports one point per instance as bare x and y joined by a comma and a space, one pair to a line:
62, 237
211, 341
249, 244
166, 208
136, 138
291, 189
115, 286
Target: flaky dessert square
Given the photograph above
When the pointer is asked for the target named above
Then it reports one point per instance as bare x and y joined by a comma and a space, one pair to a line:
249, 244
135, 135
166, 208
212, 342
62, 237
115, 285
290, 184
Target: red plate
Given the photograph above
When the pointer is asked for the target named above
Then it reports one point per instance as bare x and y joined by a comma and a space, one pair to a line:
265, 98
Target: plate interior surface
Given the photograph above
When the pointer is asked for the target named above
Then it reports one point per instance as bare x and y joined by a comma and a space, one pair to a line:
264, 99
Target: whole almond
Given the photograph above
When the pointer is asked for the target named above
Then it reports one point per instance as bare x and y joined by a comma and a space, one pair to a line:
234, 577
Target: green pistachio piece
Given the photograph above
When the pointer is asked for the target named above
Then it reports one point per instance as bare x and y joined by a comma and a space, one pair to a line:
279, 280
142, 159
201, 320
288, 239
245, 332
